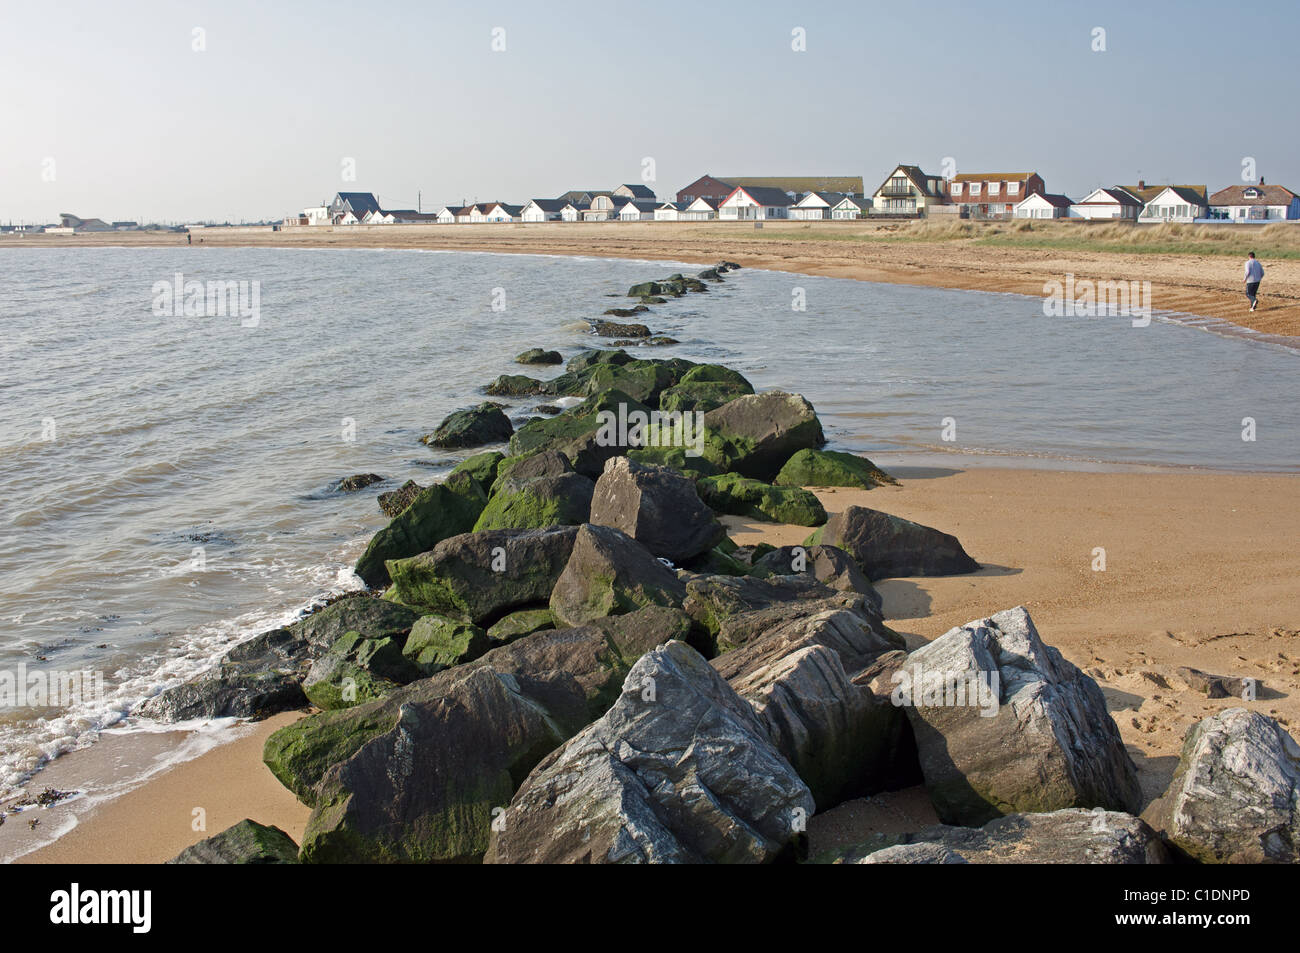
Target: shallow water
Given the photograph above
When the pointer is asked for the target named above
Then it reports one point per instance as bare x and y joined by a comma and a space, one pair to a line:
183, 499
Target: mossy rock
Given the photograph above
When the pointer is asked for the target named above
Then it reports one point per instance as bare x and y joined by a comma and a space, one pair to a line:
300, 753
247, 842
717, 374
644, 289
535, 355
577, 433
518, 624
471, 427
832, 468
676, 457
443, 510
437, 642
356, 670
701, 396
481, 468
740, 496
538, 503
516, 385
596, 355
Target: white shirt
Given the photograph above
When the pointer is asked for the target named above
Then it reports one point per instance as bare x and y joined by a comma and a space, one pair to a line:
1254, 270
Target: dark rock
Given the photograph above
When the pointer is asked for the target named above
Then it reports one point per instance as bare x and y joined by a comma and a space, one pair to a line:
472, 427
520, 502
535, 355
627, 312
356, 670
481, 468
612, 329
609, 573
832, 468
587, 434
887, 546
358, 481
1219, 686
361, 613
656, 506
394, 501
592, 356
516, 385
756, 434
443, 510
829, 565
245, 843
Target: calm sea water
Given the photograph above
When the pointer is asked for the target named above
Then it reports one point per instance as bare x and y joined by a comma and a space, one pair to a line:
165, 482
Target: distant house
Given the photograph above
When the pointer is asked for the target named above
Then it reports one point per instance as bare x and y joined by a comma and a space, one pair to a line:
355, 203
705, 187
669, 211
1255, 203
543, 210
1042, 205
799, 184
472, 214
125, 226
637, 210
640, 192
68, 220
700, 210
1113, 203
993, 194
572, 211
501, 212
755, 203
580, 197
851, 207
1176, 203
907, 191
816, 205
447, 214
603, 208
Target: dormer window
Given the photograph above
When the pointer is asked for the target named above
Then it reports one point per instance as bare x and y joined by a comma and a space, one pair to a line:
956, 188
994, 187
1013, 188
1252, 193
974, 188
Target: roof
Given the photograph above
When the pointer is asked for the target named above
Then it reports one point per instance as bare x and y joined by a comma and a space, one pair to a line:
1267, 195
859, 203
643, 205
579, 206
831, 199
1148, 192
701, 200
993, 176
1114, 196
916, 177
639, 191
549, 205
512, 210
359, 202
765, 195
1056, 201
807, 183
679, 206
1188, 193
705, 181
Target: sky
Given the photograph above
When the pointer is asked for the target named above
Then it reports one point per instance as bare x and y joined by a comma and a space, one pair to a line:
243, 111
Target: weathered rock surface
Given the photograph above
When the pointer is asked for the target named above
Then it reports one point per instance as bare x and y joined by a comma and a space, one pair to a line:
481, 576
357, 669
536, 355
535, 502
358, 481
609, 573
583, 433
1219, 686
678, 771
887, 546
519, 623
710, 600
1070, 836
443, 510
393, 502
361, 613
1004, 724
832, 468
472, 427
741, 496
656, 506
437, 642
829, 565
1235, 796
757, 434
245, 843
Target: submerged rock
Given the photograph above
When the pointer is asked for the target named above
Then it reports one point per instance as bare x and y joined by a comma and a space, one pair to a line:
535, 355
358, 481
472, 427
678, 771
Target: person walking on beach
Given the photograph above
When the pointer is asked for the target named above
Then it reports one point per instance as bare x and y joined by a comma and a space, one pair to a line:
1254, 275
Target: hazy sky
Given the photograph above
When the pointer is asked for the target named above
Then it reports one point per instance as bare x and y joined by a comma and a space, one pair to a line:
106, 109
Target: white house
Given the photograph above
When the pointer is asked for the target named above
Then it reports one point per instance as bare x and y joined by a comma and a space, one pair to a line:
447, 214
603, 208
815, 205
349, 217
543, 210
572, 211
317, 215
701, 210
500, 212
1175, 203
638, 192
1255, 203
669, 212
638, 210
851, 207
1113, 203
1042, 205
755, 203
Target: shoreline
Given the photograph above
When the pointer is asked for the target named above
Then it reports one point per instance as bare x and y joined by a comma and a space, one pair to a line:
1200, 286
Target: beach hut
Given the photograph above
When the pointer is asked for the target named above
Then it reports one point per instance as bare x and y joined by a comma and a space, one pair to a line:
756, 203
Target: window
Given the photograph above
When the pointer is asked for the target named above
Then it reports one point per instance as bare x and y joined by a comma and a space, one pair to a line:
956, 188
1013, 188
974, 188
994, 187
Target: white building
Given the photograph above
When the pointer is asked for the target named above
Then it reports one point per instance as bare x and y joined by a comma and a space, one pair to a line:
1255, 203
1042, 205
500, 212
603, 208
669, 212
1114, 203
701, 210
1175, 203
447, 214
543, 210
637, 210
851, 207
755, 203
816, 205
572, 211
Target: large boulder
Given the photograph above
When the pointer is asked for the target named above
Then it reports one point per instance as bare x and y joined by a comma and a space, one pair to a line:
704, 388
642, 380
710, 600
1004, 724
257, 678
1069, 836
887, 546
357, 669
755, 435
481, 576
481, 468
247, 842
536, 502
609, 573
656, 506
593, 356
471, 427
741, 496
832, 468
437, 642
443, 510
362, 613
1235, 796
678, 771
829, 565
587, 434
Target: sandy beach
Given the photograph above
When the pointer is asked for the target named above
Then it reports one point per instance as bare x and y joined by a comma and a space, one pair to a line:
1196, 276
1201, 571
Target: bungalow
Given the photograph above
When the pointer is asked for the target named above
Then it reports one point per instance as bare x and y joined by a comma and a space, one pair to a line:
700, 210
472, 214
1042, 205
641, 192
637, 210
356, 203
603, 208
349, 217
1255, 203
851, 206
755, 203
543, 210
669, 212
500, 212
447, 214
907, 191
706, 187
993, 195
1113, 203
1176, 203
572, 211
815, 205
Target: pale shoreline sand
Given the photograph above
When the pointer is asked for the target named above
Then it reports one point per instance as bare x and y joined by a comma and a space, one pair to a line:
1201, 571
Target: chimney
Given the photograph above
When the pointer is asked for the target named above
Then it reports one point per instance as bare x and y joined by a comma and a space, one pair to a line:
1261, 180
1141, 184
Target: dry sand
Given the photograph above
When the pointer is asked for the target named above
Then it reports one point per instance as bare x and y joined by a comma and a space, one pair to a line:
1201, 570
1202, 284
